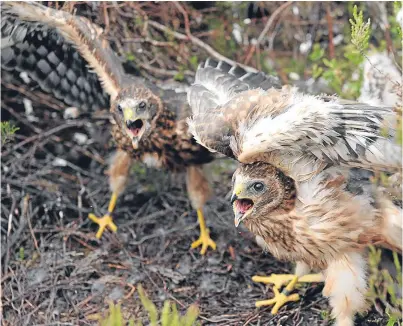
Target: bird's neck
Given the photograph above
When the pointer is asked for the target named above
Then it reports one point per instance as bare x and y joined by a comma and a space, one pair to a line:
277, 231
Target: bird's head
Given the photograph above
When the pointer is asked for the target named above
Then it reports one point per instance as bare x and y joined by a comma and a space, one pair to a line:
134, 109
260, 190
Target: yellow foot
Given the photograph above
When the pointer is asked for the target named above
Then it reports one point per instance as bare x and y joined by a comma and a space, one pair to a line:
106, 220
278, 281
103, 222
280, 298
204, 241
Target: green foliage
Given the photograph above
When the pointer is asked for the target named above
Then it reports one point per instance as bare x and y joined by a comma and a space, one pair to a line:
342, 72
169, 35
317, 53
7, 132
169, 314
221, 42
266, 67
180, 76
382, 286
293, 65
139, 169
395, 28
399, 130
360, 31
148, 306
115, 317
324, 314
130, 57
21, 253
393, 320
194, 62
138, 21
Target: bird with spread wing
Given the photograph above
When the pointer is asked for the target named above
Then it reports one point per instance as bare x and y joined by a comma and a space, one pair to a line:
296, 188
69, 57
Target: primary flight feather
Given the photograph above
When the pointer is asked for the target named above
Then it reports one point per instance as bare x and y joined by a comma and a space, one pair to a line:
258, 122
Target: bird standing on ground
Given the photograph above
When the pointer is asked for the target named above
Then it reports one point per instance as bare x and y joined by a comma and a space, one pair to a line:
293, 189
148, 123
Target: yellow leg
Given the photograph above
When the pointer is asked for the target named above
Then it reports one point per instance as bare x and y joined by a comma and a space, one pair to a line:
278, 280
106, 220
204, 240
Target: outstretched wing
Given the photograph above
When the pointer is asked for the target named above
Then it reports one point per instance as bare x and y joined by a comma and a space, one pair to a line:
251, 123
337, 132
84, 36
43, 58
215, 119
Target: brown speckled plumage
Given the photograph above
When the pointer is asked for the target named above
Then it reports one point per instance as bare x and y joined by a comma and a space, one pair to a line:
324, 217
324, 223
148, 123
167, 137
169, 141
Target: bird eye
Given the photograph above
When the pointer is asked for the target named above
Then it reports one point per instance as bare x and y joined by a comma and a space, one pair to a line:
142, 105
120, 109
258, 186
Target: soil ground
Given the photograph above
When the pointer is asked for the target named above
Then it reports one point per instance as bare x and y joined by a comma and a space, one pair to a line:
54, 270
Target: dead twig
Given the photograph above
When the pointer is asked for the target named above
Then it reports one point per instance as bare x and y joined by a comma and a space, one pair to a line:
270, 22
106, 16
163, 72
200, 44
25, 214
330, 29
186, 17
36, 96
45, 134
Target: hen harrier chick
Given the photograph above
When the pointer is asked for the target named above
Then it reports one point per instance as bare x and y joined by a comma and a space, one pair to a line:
321, 224
148, 123
292, 189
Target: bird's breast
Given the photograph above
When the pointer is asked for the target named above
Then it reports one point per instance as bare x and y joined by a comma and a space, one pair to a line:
152, 160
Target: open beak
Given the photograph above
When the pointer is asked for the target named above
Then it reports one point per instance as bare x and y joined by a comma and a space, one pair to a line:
241, 206
135, 143
233, 199
238, 214
238, 218
135, 126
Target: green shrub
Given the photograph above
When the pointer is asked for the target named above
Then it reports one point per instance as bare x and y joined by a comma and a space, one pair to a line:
169, 315
7, 132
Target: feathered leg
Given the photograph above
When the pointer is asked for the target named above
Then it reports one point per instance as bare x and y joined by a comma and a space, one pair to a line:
118, 172
199, 191
280, 298
346, 285
392, 224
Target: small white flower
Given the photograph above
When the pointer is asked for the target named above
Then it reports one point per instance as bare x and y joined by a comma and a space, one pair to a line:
59, 162
80, 138
24, 76
294, 76
71, 113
